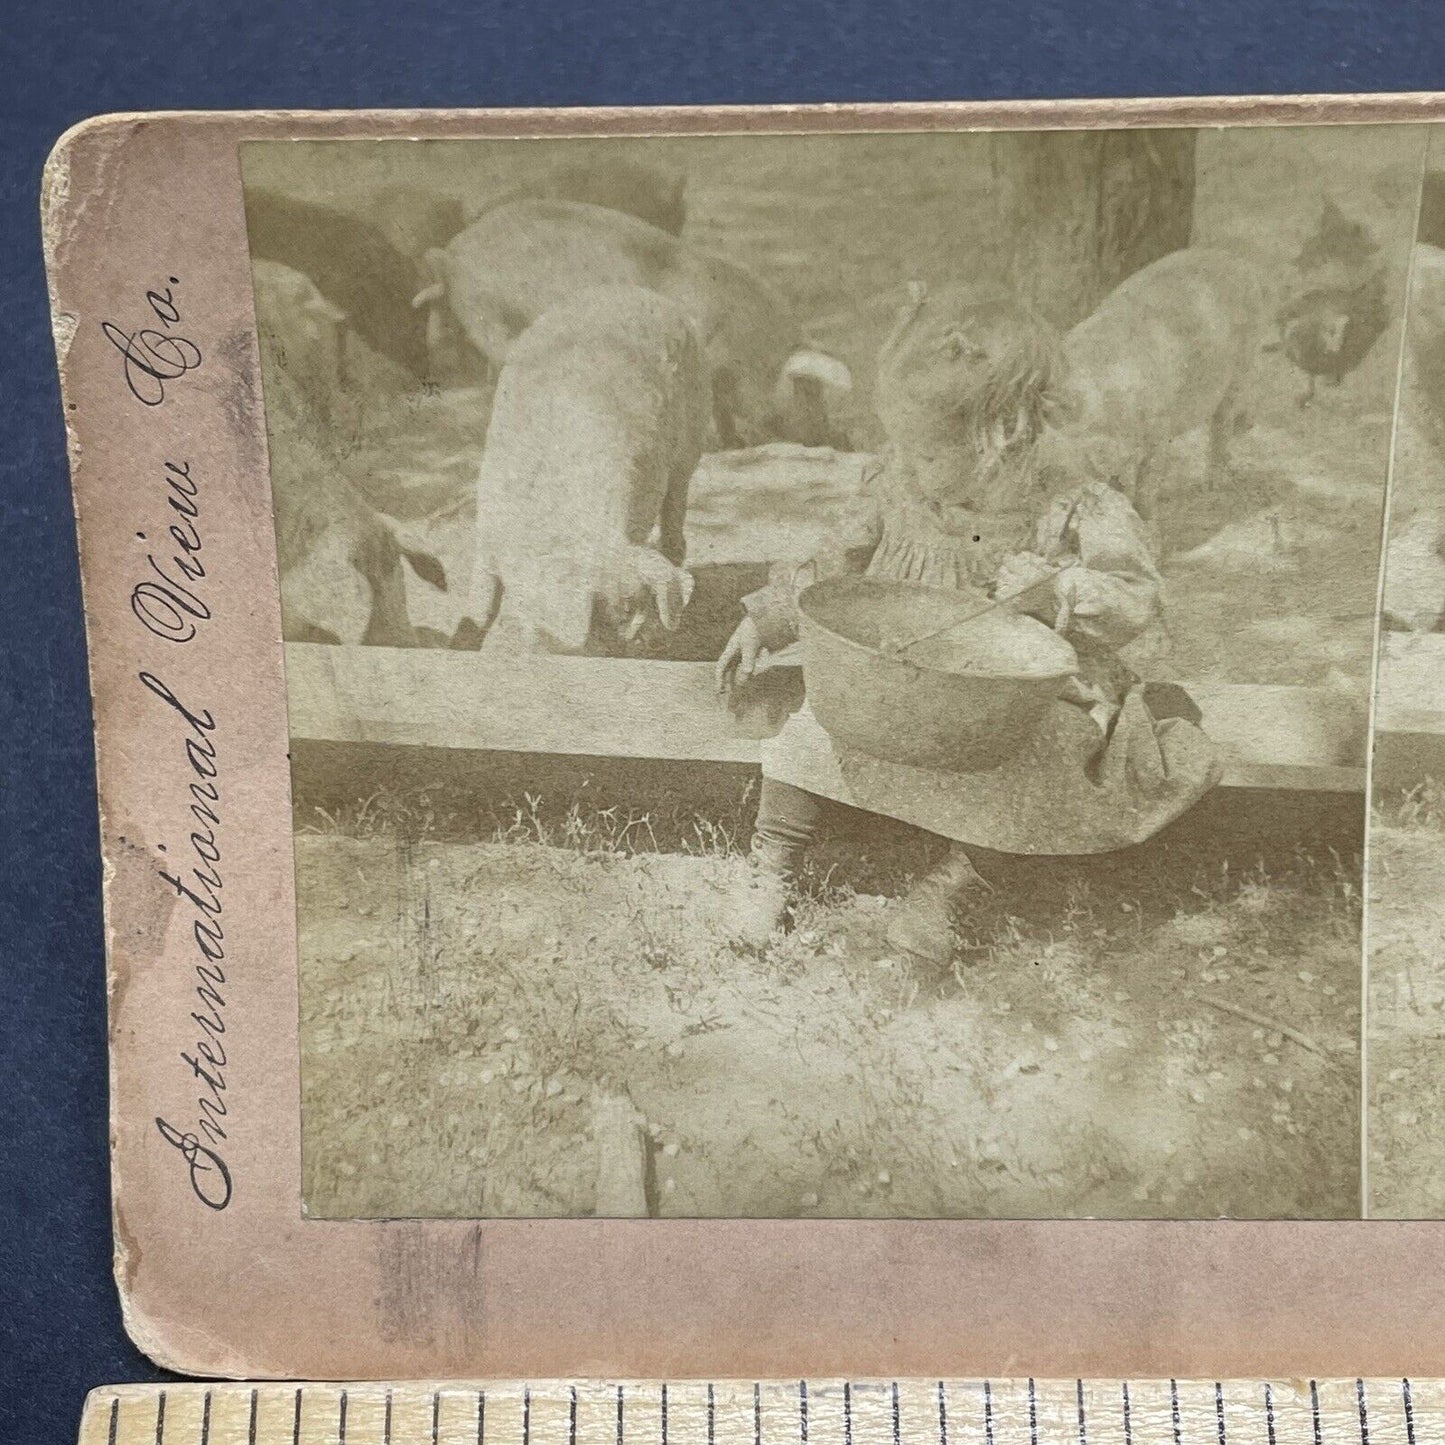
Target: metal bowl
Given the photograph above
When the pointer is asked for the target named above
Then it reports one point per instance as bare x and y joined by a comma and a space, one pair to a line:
964, 701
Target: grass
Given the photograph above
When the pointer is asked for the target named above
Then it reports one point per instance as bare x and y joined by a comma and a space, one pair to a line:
1421, 807
1086, 1057
1407, 1003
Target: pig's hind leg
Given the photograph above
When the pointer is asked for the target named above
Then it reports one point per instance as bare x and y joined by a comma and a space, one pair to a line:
1145, 484
1144, 491
672, 518
1228, 421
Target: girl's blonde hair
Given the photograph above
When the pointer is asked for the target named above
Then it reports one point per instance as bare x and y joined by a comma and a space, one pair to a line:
971, 371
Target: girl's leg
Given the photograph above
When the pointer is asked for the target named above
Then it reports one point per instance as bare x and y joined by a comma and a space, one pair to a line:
923, 924
788, 820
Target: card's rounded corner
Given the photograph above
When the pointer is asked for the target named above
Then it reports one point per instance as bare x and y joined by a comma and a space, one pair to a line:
93, 129
172, 1344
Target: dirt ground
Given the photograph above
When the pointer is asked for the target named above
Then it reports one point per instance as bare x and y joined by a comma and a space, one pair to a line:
1406, 1126
1172, 1032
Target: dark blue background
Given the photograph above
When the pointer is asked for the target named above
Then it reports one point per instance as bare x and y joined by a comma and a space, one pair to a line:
60, 1330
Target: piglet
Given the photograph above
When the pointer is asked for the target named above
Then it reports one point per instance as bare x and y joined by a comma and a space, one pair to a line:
1170, 350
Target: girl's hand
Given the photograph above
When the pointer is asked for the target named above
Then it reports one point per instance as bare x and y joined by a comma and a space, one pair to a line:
740, 657
1023, 572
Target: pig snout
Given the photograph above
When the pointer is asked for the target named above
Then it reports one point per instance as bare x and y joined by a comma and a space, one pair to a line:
751, 407
808, 379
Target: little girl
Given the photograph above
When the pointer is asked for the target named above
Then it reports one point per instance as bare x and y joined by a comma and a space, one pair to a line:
959, 501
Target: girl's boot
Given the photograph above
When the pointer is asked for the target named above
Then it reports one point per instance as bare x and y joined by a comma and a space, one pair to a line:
787, 823
923, 923
762, 907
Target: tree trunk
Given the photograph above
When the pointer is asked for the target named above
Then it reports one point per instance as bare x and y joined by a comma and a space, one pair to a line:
1085, 209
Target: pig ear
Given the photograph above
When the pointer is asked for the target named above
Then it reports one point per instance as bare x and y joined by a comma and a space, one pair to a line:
434, 268
671, 588
318, 306
905, 316
818, 366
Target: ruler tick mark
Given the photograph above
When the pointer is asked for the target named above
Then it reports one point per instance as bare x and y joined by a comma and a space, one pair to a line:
1051, 1420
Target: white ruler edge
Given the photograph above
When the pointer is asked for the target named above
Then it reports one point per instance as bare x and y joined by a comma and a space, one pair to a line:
774, 1412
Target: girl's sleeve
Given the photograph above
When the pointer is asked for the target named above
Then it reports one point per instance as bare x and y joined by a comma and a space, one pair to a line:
774, 607
1114, 588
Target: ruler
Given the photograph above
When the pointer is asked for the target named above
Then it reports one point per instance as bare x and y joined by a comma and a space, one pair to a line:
775, 1412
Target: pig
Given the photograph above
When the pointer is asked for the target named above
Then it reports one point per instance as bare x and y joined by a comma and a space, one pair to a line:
340, 560
651, 192
512, 264
597, 426
352, 265
300, 332
1169, 350
1414, 597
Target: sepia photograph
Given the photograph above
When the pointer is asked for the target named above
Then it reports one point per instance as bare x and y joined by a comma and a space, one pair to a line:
1405, 953
829, 675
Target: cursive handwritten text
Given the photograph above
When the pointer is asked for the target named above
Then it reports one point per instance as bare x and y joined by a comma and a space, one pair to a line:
198, 881
154, 355
169, 602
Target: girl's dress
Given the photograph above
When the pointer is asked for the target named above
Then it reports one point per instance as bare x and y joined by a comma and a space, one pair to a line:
1102, 772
